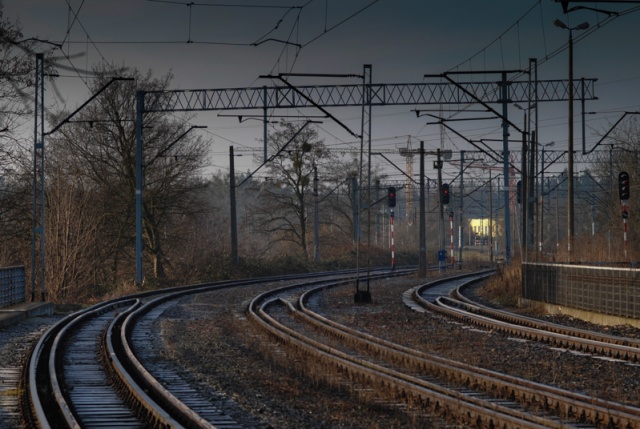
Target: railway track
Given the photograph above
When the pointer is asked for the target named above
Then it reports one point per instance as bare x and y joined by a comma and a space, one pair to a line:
98, 368
461, 308
403, 377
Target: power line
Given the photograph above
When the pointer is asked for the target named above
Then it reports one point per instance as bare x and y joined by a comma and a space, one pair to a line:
499, 38
341, 22
230, 5
76, 18
159, 42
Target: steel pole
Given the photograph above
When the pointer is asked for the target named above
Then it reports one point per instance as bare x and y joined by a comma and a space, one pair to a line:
505, 154
570, 154
441, 207
422, 263
460, 219
541, 237
490, 218
316, 233
139, 110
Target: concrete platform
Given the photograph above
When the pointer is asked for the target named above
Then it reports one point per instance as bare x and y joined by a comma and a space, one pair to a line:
16, 313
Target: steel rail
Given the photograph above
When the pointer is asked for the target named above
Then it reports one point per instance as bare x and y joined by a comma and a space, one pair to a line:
532, 322
137, 378
469, 407
45, 396
460, 311
129, 371
528, 328
46, 402
473, 409
590, 409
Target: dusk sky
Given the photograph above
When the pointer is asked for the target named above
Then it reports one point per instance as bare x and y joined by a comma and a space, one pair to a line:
210, 44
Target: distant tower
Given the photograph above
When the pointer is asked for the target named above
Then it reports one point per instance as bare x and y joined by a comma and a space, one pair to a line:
408, 154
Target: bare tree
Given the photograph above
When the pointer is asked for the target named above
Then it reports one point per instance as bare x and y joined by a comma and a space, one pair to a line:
72, 226
17, 74
284, 212
624, 155
99, 147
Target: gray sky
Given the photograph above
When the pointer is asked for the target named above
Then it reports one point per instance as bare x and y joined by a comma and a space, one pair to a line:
401, 39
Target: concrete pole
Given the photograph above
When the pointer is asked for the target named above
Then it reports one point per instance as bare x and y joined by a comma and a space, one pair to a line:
422, 262
233, 214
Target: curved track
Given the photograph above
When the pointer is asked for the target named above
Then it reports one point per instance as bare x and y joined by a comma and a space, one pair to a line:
98, 368
459, 307
432, 384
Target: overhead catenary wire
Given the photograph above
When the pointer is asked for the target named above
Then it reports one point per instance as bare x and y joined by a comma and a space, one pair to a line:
229, 5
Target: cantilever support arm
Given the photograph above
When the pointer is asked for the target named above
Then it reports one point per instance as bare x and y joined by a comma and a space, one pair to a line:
274, 156
115, 79
323, 110
491, 109
611, 129
166, 149
398, 168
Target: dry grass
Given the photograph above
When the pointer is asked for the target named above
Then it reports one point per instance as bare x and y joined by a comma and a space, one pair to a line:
505, 288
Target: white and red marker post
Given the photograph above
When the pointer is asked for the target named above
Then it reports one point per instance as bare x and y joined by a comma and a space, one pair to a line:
391, 202
393, 249
624, 190
625, 215
453, 259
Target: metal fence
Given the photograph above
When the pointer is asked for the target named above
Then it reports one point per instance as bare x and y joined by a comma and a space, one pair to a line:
613, 291
12, 286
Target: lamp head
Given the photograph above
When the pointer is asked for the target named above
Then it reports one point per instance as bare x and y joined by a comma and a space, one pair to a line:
583, 26
560, 24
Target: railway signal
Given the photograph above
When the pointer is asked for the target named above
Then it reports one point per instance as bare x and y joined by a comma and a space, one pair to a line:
623, 185
624, 192
444, 193
391, 196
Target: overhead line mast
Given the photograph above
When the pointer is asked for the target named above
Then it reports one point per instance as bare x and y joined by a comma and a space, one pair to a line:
288, 97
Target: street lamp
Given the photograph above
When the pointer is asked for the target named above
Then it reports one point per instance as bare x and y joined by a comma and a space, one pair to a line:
570, 216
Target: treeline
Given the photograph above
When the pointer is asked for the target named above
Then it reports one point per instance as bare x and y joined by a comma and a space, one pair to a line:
90, 200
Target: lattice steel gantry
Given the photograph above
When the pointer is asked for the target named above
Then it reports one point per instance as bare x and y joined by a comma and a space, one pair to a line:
370, 94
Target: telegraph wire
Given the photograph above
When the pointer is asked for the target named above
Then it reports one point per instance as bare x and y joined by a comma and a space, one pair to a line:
548, 56
341, 22
277, 26
519, 48
159, 42
286, 46
75, 18
84, 29
497, 39
229, 5
542, 21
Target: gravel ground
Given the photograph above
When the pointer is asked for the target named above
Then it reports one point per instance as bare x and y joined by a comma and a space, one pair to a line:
15, 343
212, 343
211, 339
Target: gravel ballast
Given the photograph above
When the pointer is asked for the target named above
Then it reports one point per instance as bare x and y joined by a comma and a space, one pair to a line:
254, 380
210, 338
